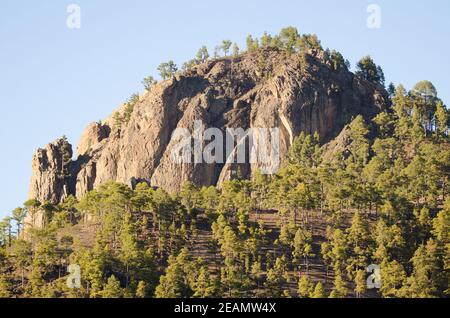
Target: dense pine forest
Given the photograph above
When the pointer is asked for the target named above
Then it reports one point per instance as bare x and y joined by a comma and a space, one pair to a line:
378, 194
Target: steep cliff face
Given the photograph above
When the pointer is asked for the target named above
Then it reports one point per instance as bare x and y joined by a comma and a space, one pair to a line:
266, 89
52, 179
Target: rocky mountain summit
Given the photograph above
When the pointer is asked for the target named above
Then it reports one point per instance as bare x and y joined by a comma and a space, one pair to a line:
264, 89
274, 172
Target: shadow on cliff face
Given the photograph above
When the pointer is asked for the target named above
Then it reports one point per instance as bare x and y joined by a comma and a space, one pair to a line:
263, 89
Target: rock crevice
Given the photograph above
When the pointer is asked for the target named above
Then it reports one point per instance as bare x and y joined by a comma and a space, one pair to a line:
307, 96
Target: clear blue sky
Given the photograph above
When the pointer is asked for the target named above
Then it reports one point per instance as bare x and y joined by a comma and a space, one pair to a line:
55, 81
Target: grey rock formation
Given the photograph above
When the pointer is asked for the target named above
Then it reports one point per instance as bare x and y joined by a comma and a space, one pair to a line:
51, 179
92, 135
265, 89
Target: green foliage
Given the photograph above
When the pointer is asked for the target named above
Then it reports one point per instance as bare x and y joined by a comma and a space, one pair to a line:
141, 291
305, 287
289, 38
5, 287
235, 50
309, 42
204, 286
226, 45
425, 89
381, 198
367, 69
149, 82
392, 276
18, 215
442, 119
180, 278
252, 44
340, 289
337, 60
360, 283
6, 233
167, 70
123, 117
202, 55
276, 278
302, 246
359, 147
266, 40
112, 288
319, 291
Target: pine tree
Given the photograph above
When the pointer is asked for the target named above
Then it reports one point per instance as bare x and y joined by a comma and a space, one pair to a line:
189, 197
204, 285
359, 147
5, 287
442, 119
390, 242
202, 55
31, 207
367, 69
337, 61
36, 281
210, 200
141, 290
441, 224
393, 276
319, 291
441, 231
276, 278
129, 252
358, 240
252, 44
425, 96
340, 289
226, 45
384, 122
327, 256
18, 215
235, 50
175, 282
289, 37
257, 273
403, 107
112, 288
302, 246
360, 283
305, 287
6, 232
421, 284
266, 40
93, 265
339, 250
149, 82
417, 130
232, 274
167, 70
22, 253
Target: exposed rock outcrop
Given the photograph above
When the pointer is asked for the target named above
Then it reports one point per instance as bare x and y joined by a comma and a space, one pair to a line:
51, 179
266, 89
92, 135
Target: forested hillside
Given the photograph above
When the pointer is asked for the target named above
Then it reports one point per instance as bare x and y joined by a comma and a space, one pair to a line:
377, 194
